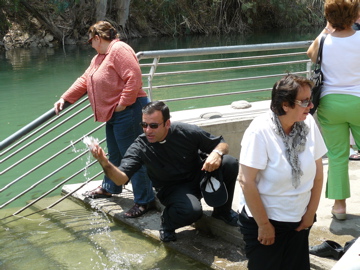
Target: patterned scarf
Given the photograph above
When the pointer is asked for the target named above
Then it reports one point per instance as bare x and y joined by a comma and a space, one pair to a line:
294, 144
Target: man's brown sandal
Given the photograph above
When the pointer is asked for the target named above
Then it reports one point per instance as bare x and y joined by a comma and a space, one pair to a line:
138, 210
97, 193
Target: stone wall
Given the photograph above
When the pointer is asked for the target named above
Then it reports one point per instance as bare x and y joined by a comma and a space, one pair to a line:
16, 37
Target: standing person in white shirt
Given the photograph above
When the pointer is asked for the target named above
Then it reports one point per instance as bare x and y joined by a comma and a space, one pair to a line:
281, 187
339, 107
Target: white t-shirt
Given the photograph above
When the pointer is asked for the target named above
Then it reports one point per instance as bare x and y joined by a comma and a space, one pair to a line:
263, 149
340, 65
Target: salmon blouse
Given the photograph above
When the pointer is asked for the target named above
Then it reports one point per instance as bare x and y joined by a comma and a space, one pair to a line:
112, 79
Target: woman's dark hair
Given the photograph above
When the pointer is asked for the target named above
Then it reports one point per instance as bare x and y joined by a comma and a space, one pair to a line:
341, 14
151, 107
104, 30
285, 91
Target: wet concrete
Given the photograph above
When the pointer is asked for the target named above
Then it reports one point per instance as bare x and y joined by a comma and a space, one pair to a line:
219, 245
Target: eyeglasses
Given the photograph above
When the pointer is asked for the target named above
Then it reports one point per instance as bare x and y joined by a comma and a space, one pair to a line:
90, 40
151, 125
304, 103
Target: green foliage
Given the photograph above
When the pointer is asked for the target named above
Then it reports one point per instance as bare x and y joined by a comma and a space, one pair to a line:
179, 17
282, 13
61, 6
172, 17
7, 7
10, 5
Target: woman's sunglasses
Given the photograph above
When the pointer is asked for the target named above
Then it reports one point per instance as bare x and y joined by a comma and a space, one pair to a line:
304, 103
151, 125
91, 39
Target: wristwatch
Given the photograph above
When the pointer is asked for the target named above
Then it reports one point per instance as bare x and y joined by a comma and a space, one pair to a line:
219, 152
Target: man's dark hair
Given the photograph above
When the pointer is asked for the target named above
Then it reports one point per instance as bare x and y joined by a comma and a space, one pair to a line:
153, 106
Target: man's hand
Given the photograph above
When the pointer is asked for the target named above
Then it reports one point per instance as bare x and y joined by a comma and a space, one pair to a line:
111, 171
212, 162
99, 154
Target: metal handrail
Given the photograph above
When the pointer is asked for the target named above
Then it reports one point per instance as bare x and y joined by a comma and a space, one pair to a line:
39, 137
25, 136
156, 56
54, 188
222, 81
223, 50
45, 145
230, 68
46, 161
18, 146
219, 60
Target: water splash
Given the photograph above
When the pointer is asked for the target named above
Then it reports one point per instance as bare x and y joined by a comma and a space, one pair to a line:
102, 236
89, 141
106, 253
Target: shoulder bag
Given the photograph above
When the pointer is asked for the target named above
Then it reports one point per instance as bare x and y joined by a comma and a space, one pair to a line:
317, 77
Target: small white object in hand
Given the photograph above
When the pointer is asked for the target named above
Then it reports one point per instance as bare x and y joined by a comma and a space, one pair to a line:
90, 141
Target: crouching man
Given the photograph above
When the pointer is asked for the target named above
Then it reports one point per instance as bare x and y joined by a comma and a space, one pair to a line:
171, 153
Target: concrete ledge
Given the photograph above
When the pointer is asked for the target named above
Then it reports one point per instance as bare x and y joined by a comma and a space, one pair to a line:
231, 125
226, 113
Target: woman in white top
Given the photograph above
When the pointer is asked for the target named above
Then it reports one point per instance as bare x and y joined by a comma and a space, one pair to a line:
339, 107
281, 177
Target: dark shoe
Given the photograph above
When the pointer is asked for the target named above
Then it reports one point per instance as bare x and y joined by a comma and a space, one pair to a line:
97, 193
348, 244
327, 249
138, 210
167, 236
231, 217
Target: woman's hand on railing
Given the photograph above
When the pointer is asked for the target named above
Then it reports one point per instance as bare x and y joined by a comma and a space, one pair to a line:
59, 105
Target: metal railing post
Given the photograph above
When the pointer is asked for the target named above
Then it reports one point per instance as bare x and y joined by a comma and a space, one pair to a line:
29, 127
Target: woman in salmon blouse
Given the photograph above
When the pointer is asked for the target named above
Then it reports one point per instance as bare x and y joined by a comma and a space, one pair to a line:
114, 86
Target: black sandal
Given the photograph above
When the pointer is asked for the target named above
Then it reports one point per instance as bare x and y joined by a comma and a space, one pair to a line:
97, 193
137, 210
